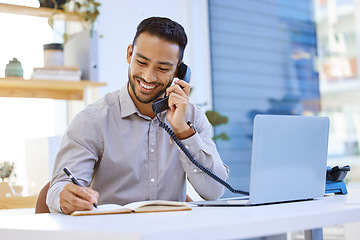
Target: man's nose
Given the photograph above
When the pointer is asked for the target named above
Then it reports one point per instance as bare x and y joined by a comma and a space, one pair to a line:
149, 75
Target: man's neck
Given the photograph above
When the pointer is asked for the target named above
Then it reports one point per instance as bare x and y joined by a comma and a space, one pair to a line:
144, 108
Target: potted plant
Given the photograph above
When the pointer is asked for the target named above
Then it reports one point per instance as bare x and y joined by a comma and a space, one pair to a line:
87, 10
216, 119
6, 169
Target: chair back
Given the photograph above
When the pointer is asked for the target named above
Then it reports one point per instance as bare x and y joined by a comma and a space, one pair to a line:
41, 206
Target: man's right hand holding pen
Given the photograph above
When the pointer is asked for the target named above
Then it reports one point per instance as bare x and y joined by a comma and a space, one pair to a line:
75, 197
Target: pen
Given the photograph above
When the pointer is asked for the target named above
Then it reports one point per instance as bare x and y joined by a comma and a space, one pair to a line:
74, 179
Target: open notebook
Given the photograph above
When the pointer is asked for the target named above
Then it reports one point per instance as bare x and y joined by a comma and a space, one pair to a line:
136, 207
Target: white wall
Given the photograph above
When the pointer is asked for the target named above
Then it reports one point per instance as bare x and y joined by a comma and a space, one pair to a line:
118, 21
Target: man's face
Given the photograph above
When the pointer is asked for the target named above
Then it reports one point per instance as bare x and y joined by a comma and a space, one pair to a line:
152, 66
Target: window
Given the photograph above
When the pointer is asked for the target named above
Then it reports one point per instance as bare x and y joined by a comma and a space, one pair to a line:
262, 55
339, 80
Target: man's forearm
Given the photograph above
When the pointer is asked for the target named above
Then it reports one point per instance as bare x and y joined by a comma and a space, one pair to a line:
204, 185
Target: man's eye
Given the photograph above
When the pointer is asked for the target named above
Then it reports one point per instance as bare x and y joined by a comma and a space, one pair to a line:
140, 62
164, 69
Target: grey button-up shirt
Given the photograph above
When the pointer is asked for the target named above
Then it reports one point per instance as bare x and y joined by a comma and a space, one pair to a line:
127, 157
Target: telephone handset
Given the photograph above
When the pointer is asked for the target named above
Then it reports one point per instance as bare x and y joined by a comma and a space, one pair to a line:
161, 105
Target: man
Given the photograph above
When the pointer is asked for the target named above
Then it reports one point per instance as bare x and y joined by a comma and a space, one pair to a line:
116, 146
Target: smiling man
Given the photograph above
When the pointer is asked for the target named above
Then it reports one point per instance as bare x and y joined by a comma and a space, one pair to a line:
115, 146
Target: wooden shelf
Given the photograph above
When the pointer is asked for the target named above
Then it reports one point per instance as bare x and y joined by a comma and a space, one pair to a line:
17, 202
36, 88
38, 12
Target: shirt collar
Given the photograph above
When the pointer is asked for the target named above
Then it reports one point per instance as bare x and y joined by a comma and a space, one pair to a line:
127, 105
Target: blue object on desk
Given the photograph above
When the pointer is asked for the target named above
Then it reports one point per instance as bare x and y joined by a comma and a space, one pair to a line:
335, 180
335, 187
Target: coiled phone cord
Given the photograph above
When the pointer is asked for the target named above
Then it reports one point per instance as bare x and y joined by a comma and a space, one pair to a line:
193, 160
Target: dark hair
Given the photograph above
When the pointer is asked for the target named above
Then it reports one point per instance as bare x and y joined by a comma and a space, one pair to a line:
164, 28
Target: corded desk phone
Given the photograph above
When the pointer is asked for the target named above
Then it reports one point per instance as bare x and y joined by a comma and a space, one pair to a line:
183, 73
161, 105
335, 179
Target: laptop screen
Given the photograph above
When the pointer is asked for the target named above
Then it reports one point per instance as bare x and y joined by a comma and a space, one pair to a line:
289, 157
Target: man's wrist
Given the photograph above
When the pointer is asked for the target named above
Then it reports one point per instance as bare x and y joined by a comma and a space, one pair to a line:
187, 133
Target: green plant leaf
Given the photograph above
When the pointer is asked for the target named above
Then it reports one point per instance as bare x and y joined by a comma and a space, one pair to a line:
87, 10
51, 18
222, 136
215, 118
5, 169
66, 38
51, 22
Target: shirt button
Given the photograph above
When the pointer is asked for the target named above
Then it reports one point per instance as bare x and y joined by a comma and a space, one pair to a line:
152, 150
195, 170
152, 180
187, 146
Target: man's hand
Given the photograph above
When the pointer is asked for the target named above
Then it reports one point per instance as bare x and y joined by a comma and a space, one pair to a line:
178, 102
75, 198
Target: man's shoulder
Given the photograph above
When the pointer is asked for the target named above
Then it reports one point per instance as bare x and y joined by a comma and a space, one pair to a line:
106, 103
194, 110
196, 115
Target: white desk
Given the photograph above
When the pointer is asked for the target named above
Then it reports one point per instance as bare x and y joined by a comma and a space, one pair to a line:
200, 223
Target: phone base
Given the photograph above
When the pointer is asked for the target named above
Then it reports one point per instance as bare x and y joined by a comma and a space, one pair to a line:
335, 187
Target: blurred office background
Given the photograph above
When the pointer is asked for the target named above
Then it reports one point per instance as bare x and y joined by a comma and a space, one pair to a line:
246, 56
285, 57
263, 62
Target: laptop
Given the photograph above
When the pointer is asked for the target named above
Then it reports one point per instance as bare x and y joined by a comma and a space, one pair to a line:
288, 161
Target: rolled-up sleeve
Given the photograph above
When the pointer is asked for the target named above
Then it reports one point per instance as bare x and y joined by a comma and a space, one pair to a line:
79, 151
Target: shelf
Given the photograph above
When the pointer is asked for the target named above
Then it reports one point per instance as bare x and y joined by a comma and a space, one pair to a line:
17, 202
36, 88
38, 12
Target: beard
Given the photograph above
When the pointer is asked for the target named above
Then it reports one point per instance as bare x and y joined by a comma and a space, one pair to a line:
132, 80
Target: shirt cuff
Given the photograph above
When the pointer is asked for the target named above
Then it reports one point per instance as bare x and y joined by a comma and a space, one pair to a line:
53, 198
194, 145
188, 133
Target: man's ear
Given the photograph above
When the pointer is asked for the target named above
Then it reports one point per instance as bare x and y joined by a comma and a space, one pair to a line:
129, 53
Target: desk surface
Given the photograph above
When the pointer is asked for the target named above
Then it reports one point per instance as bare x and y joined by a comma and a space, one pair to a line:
200, 223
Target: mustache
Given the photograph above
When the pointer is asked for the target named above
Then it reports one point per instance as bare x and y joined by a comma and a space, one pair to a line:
144, 80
